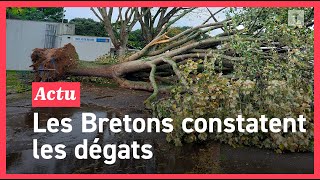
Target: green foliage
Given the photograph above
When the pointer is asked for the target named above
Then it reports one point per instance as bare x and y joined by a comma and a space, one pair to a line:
172, 31
88, 27
107, 60
36, 14
136, 39
267, 82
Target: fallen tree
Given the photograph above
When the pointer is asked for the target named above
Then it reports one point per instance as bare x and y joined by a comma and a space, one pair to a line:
52, 64
158, 64
179, 48
263, 68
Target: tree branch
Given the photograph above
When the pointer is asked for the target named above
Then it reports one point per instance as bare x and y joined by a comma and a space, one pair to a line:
154, 85
96, 14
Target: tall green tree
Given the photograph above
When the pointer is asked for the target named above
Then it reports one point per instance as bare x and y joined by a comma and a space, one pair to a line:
136, 39
37, 14
88, 27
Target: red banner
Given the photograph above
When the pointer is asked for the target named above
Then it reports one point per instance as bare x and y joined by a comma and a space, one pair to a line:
55, 94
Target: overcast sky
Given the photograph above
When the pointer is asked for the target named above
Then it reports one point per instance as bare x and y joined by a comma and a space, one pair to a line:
194, 18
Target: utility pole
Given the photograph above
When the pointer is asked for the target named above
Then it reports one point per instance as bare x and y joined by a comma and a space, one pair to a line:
62, 15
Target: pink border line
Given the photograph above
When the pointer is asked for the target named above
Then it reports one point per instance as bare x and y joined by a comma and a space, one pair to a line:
3, 6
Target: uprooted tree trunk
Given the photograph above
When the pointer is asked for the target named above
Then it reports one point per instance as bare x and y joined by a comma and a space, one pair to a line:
52, 64
152, 65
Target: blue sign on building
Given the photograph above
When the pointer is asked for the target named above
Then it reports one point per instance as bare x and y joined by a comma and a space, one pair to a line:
102, 40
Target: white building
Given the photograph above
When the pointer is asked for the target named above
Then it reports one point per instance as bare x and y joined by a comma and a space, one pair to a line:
24, 36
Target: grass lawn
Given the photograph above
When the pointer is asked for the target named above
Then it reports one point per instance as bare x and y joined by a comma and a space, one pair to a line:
18, 81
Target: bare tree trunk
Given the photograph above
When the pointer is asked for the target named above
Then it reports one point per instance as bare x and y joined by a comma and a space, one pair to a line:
121, 51
118, 31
